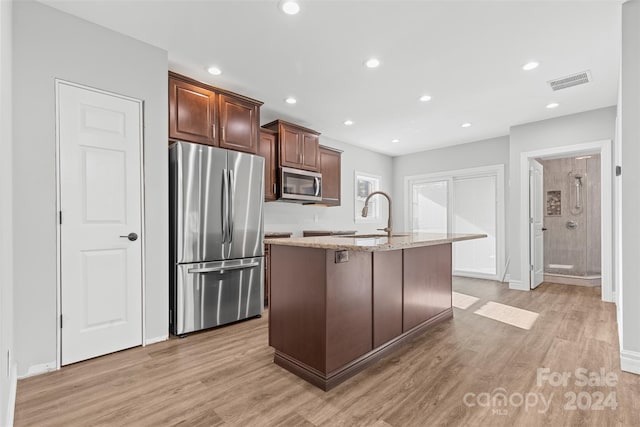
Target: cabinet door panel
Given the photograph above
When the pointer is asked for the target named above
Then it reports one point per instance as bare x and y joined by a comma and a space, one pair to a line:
387, 296
310, 152
427, 283
238, 124
330, 166
192, 113
289, 148
349, 311
267, 149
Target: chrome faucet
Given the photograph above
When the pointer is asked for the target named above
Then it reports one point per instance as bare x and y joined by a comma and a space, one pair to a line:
365, 212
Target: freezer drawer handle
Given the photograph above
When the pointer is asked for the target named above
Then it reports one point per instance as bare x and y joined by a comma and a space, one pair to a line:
223, 269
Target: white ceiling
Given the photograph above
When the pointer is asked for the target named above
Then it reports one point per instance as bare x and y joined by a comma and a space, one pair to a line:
466, 55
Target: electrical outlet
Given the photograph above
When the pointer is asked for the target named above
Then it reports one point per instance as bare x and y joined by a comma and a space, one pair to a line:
342, 256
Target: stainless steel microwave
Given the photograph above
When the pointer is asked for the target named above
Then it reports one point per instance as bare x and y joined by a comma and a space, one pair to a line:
300, 185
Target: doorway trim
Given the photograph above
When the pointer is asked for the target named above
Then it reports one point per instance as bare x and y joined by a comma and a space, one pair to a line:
603, 147
58, 83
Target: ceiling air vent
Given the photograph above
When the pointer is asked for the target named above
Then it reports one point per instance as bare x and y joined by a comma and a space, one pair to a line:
572, 80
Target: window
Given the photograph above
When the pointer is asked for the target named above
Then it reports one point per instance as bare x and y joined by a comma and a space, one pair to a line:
364, 185
465, 201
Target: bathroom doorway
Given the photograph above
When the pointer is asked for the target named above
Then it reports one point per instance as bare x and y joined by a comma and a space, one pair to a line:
527, 242
572, 220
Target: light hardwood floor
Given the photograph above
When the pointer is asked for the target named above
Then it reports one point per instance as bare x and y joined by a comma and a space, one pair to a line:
227, 377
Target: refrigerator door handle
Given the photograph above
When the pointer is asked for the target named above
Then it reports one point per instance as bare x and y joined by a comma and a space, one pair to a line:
231, 202
222, 269
225, 205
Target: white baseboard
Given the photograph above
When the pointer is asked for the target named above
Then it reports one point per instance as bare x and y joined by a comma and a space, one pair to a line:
156, 339
518, 285
42, 368
630, 361
11, 404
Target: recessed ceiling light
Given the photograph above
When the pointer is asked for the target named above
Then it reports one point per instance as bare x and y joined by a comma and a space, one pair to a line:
530, 66
466, 125
395, 140
348, 122
552, 105
290, 7
425, 98
291, 100
214, 70
372, 63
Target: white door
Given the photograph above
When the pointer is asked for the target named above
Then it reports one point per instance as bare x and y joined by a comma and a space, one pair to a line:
536, 217
100, 199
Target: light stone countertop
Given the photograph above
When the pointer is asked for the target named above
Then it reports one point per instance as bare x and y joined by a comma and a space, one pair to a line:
374, 242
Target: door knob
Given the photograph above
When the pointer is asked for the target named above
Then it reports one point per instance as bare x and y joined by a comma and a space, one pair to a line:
131, 236
544, 229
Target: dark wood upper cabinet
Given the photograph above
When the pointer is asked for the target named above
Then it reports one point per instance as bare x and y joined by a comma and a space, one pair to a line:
330, 167
290, 154
299, 147
208, 115
267, 149
239, 120
192, 113
310, 151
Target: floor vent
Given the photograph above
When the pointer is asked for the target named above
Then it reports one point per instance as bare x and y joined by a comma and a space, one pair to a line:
569, 81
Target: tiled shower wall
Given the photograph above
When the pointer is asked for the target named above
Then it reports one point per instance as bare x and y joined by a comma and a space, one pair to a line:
579, 248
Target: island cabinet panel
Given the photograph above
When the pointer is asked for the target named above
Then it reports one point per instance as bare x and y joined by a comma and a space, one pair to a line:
239, 120
298, 305
349, 321
427, 283
387, 296
192, 113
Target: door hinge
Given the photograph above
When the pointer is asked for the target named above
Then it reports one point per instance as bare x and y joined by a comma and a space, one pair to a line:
530, 220
60, 217
618, 170
531, 268
61, 321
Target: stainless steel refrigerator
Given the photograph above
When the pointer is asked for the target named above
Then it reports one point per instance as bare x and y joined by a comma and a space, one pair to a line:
216, 246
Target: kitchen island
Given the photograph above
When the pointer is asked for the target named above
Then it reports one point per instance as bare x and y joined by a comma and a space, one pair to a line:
339, 303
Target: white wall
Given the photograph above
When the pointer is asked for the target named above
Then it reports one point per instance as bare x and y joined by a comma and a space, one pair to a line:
281, 216
630, 290
488, 152
50, 44
578, 128
7, 367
